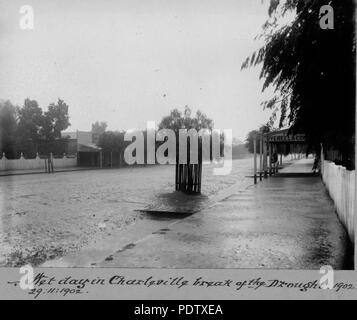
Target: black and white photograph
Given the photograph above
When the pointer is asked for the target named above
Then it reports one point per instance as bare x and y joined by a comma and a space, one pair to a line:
177, 134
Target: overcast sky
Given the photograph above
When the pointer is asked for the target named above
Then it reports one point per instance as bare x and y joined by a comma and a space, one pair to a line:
127, 62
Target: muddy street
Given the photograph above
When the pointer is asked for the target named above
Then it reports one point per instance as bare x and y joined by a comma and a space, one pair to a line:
46, 216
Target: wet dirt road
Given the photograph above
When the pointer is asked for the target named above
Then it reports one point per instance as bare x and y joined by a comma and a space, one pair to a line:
46, 216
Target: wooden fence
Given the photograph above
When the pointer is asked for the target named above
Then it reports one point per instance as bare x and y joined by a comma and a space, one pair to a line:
39, 162
340, 184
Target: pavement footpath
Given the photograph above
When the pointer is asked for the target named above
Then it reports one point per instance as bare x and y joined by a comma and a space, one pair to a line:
285, 221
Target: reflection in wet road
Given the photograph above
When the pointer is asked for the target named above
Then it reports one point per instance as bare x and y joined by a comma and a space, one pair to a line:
43, 217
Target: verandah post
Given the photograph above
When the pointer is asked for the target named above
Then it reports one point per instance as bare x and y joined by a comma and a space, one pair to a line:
255, 158
265, 158
270, 162
260, 156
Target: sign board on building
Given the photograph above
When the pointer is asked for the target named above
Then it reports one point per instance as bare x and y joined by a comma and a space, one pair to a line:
283, 137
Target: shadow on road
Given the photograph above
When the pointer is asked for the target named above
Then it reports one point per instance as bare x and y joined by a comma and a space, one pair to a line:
175, 205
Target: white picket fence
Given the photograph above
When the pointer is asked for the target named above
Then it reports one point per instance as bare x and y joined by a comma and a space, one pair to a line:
36, 163
340, 184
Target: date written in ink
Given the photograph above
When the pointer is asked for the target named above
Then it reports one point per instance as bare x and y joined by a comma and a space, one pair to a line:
36, 292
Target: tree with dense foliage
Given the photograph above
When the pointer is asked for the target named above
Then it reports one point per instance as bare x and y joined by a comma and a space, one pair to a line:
28, 129
312, 70
55, 120
252, 134
30, 121
8, 127
113, 146
187, 176
185, 120
112, 140
99, 127
177, 120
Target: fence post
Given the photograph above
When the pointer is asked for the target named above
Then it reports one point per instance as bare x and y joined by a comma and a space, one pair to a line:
260, 157
22, 163
51, 163
255, 159
3, 161
265, 158
270, 162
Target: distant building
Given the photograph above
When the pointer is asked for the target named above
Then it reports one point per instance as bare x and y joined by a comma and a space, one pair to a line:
81, 143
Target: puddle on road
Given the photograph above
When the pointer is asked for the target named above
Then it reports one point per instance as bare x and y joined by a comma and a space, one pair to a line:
175, 205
